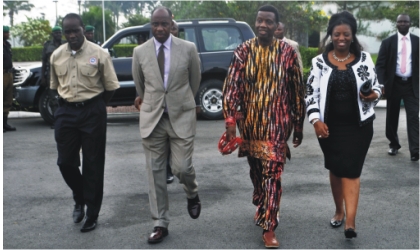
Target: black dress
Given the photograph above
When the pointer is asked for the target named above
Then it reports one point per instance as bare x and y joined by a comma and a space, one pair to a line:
346, 147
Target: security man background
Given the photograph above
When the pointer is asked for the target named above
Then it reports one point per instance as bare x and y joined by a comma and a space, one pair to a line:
49, 47
83, 75
7, 79
90, 33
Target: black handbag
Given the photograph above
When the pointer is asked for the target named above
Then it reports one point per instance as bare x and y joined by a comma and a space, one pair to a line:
366, 87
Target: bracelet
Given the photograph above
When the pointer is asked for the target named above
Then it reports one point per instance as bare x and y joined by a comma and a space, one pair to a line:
230, 121
314, 121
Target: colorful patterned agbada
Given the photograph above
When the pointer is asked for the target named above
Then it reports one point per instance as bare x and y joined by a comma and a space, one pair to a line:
264, 92
265, 87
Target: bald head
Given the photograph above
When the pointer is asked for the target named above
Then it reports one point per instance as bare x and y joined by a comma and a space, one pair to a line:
279, 33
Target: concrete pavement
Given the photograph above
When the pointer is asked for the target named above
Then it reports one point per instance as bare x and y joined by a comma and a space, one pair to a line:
37, 204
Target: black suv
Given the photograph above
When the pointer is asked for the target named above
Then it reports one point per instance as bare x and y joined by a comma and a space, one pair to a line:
215, 40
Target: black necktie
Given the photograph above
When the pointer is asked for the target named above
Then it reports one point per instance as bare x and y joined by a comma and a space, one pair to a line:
161, 61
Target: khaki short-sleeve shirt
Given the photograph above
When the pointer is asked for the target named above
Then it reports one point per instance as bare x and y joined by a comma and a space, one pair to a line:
84, 75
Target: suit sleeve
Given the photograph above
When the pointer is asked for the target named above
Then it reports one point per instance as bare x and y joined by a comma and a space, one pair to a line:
312, 91
375, 84
194, 70
138, 75
381, 62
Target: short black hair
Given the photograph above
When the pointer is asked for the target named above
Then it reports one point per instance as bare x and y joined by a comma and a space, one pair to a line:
163, 8
271, 8
404, 14
75, 16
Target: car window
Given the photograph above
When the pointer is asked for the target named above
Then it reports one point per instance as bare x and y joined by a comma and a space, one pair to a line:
221, 38
125, 45
188, 34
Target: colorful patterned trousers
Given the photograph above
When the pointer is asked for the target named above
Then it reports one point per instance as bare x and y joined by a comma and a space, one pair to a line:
266, 178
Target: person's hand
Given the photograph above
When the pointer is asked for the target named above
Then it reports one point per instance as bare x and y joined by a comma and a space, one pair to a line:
230, 133
321, 130
297, 139
137, 102
370, 98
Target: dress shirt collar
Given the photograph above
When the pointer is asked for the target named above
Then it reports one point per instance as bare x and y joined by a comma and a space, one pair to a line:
167, 43
407, 36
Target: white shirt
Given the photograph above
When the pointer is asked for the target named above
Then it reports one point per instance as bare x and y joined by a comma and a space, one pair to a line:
167, 51
408, 67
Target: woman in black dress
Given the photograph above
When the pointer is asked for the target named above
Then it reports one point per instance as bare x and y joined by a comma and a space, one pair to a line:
341, 115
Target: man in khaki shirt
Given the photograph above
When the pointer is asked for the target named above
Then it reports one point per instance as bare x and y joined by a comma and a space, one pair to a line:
83, 75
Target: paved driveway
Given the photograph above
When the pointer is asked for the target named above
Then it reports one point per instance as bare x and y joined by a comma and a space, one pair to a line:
37, 205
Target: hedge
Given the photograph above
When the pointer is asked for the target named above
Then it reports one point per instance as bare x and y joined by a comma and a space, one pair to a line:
124, 50
27, 54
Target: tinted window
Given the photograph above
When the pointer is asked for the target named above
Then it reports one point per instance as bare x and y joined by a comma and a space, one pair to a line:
221, 38
188, 34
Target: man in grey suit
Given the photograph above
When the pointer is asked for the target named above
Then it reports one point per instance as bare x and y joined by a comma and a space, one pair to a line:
166, 71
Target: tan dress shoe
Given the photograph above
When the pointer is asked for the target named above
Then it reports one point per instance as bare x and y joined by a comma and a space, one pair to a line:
270, 240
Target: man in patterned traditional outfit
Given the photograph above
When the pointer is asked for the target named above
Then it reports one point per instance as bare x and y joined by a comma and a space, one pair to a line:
264, 95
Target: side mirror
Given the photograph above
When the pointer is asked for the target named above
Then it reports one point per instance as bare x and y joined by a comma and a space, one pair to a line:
112, 52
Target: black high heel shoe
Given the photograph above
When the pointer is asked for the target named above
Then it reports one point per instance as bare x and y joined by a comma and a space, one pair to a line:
350, 233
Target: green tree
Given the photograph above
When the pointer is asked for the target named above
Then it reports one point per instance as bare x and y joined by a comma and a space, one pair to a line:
135, 20
299, 17
35, 31
13, 7
378, 11
94, 17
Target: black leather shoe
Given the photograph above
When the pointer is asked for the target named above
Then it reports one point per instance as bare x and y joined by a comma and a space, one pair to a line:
169, 175
415, 157
194, 207
158, 234
393, 151
78, 213
7, 127
350, 233
89, 225
170, 179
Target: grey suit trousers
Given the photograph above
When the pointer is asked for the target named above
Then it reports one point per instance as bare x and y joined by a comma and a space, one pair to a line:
156, 150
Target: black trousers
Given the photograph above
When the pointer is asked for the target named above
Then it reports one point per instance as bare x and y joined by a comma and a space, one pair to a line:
402, 90
82, 127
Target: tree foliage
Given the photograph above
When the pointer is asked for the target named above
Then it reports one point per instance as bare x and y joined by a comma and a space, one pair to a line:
94, 17
378, 11
135, 20
299, 17
13, 7
35, 31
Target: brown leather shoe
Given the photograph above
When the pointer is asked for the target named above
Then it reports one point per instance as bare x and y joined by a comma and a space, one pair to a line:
194, 207
270, 240
158, 234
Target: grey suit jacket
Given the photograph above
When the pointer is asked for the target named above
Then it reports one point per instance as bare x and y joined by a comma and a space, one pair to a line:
295, 45
183, 83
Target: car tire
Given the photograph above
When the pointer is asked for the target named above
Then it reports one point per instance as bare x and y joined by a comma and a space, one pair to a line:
210, 98
44, 106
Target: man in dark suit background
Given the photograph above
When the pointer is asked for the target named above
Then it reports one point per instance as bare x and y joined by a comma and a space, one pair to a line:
397, 68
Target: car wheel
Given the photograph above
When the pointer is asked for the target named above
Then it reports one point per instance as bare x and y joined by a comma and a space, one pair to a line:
45, 107
210, 98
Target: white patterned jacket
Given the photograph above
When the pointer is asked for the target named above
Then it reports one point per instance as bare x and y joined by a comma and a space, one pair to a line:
317, 86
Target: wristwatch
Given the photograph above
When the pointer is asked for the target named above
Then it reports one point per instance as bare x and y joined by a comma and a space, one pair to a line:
314, 121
